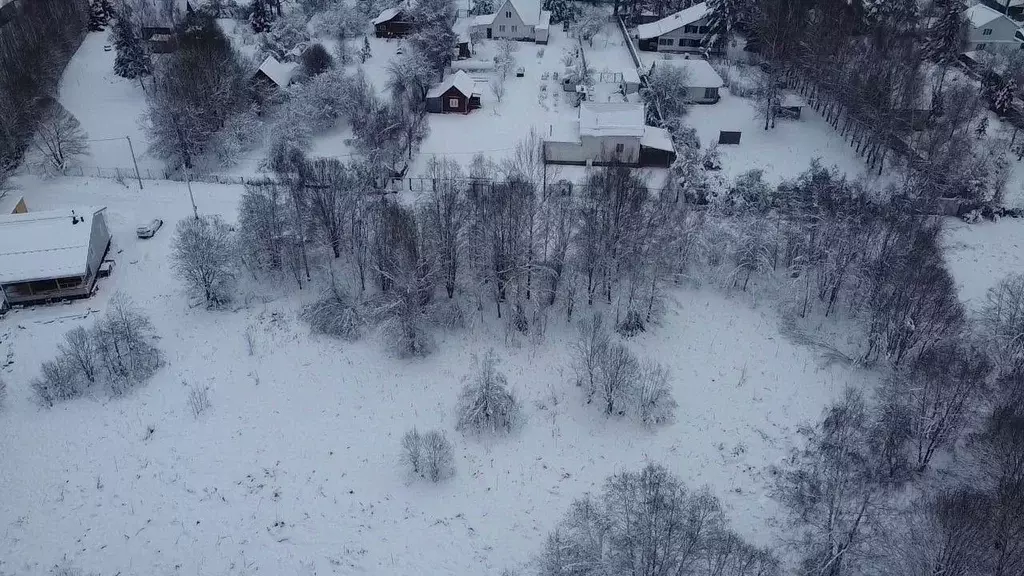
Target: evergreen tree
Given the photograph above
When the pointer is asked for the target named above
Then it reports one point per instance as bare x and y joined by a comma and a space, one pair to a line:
97, 16
898, 16
1003, 97
723, 15
108, 11
132, 60
562, 10
482, 7
948, 34
259, 20
365, 53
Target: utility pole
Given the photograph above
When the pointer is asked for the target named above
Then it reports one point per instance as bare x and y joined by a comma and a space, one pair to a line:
132, 149
188, 183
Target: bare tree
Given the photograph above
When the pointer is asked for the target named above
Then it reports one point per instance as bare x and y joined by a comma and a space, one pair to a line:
1002, 316
330, 198
125, 343
445, 211
79, 347
262, 225
60, 138
203, 256
588, 351
438, 456
412, 451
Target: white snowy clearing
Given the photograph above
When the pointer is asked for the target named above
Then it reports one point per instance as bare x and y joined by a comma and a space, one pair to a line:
294, 468
982, 254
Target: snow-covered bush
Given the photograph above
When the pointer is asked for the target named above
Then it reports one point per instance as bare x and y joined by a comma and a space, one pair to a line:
203, 255
681, 531
79, 348
58, 381
438, 456
653, 403
1002, 316
125, 344
316, 60
486, 404
341, 21
285, 33
334, 314
241, 131
412, 451
667, 90
631, 324
198, 400
428, 455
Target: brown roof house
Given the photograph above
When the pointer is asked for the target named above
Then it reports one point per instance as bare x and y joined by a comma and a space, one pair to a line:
396, 22
457, 93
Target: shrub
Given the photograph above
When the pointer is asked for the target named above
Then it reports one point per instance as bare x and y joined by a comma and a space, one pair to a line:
198, 400
125, 344
653, 401
58, 381
486, 404
412, 451
316, 60
1002, 315
631, 325
79, 348
438, 457
334, 315
428, 455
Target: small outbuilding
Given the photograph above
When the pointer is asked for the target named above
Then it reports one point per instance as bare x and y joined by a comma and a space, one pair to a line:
12, 204
457, 93
273, 73
396, 22
51, 255
703, 83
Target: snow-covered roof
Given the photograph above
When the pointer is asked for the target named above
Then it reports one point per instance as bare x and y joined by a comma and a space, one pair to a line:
280, 73
528, 10
672, 22
611, 119
565, 131
700, 74
9, 201
44, 245
484, 19
979, 15
545, 20
657, 138
460, 80
386, 15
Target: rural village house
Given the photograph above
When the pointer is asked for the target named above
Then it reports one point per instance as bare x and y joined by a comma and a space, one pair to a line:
702, 82
457, 93
50, 255
990, 30
516, 19
396, 22
608, 133
684, 31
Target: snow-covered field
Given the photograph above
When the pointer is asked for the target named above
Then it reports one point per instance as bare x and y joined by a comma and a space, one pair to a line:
294, 469
980, 255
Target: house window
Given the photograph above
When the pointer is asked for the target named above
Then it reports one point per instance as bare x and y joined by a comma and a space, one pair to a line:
664, 41
453, 102
981, 46
501, 28
514, 28
508, 14
620, 148
710, 93
690, 29
986, 32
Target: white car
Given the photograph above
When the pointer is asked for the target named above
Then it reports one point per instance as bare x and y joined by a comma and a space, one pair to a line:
149, 230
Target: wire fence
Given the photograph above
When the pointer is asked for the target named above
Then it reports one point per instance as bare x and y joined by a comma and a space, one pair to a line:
129, 174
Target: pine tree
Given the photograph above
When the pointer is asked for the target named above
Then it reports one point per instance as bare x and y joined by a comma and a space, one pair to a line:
131, 61
97, 16
259, 20
1003, 97
108, 11
365, 53
482, 7
723, 15
947, 36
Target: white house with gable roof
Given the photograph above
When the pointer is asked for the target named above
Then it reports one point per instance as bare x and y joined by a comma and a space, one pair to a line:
516, 19
988, 29
684, 31
608, 133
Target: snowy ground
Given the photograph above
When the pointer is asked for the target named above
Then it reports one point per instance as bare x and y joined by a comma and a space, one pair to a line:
782, 152
293, 469
980, 255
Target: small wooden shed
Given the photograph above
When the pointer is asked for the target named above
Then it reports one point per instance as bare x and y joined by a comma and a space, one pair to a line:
457, 93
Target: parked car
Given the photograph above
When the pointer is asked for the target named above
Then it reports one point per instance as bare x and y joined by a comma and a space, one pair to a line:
149, 230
